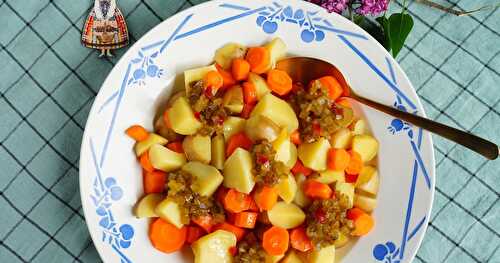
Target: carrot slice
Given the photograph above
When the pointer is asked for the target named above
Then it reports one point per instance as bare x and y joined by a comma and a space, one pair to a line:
236, 202
220, 194
295, 137
266, 197
317, 190
166, 120
299, 168
338, 159
279, 81
213, 79
206, 222
166, 237
299, 239
145, 162
247, 109
245, 219
193, 233
137, 132
154, 182
354, 213
237, 231
253, 206
344, 102
333, 86
275, 241
249, 93
259, 59
355, 163
227, 78
238, 140
176, 147
240, 69
363, 225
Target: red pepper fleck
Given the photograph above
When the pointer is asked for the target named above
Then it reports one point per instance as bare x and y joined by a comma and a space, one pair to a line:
320, 215
209, 92
351, 178
262, 159
197, 115
233, 251
316, 129
219, 120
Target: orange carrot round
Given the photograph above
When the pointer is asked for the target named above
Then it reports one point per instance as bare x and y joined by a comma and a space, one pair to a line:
333, 86
213, 79
295, 137
344, 101
259, 59
275, 241
279, 81
236, 202
245, 219
154, 182
206, 222
193, 234
317, 190
137, 132
237, 231
266, 197
227, 78
299, 240
249, 93
354, 213
363, 225
145, 162
338, 159
240, 69
355, 163
176, 147
247, 109
239, 140
166, 237
299, 168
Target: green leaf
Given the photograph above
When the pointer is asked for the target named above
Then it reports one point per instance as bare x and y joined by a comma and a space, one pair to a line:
400, 26
384, 24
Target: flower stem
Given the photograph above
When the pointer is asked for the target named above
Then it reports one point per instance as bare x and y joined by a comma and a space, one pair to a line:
452, 11
351, 15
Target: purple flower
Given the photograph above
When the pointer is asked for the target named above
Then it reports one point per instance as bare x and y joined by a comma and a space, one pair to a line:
336, 6
372, 7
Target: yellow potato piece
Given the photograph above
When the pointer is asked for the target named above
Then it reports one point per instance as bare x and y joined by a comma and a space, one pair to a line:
218, 151
214, 247
261, 128
224, 56
300, 198
366, 174
273, 259
170, 211
198, 148
277, 110
142, 147
346, 189
233, 125
145, 207
313, 155
341, 241
287, 188
207, 177
286, 151
370, 186
233, 99
260, 85
292, 257
238, 171
330, 176
277, 49
359, 127
323, 255
182, 118
366, 146
364, 202
165, 159
341, 139
195, 74
286, 215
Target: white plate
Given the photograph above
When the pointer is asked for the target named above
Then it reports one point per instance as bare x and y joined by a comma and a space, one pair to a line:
111, 180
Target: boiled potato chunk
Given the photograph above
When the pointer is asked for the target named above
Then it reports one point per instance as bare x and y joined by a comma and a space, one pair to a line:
214, 247
207, 177
286, 151
261, 128
292, 257
346, 189
300, 198
287, 188
233, 125
142, 147
313, 155
330, 176
182, 118
278, 111
277, 49
233, 99
286, 215
195, 74
359, 127
341, 241
366, 146
368, 180
260, 84
238, 171
364, 202
218, 152
224, 56
198, 148
165, 159
341, 139
273, 259
170, 211
323, 255
146, 206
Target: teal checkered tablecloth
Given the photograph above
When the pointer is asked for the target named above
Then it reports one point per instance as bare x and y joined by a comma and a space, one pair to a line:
48, 82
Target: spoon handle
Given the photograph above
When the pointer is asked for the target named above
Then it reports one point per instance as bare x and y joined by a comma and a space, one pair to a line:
473, 142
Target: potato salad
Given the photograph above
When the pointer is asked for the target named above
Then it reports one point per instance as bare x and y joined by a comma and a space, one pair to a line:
246, 165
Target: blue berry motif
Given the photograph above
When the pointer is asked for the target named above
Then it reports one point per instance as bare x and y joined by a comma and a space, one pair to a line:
386, 253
